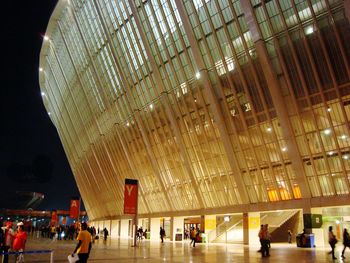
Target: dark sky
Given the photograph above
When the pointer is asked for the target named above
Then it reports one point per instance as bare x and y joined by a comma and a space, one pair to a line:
26, 131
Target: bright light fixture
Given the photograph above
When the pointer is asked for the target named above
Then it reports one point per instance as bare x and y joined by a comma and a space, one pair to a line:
309, 30
327, 131
40, 69
198, 75
42, 93
49, 113
226, 218
337, 222
46, 38
343, 137
151, 106
329, 109
284, 149
269, 129
330, 153
346, 157
128, 124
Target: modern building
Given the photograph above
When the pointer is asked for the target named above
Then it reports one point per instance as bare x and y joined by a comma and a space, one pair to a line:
217, 107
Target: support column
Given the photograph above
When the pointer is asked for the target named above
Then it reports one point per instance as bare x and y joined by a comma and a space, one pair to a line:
155, 227
317, 229
251, 228
124, 228
178, 227
277, 98
115, 228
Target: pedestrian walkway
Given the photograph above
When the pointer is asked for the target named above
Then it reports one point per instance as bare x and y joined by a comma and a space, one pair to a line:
120, 251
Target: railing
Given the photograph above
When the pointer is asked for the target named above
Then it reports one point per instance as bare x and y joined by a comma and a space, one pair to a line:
223, 228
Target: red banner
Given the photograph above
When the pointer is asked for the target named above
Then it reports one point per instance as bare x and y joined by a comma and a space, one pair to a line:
74, 208
130, 196
53, 217
64, 220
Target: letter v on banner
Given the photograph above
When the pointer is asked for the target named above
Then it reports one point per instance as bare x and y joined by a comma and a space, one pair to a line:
130, 196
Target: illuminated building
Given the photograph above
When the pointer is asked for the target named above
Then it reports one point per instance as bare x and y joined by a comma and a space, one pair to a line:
215, 106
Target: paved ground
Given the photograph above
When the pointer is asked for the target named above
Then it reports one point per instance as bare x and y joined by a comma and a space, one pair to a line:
120, 251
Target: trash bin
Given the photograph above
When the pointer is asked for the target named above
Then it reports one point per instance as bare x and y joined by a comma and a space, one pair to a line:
305, 240
203, 237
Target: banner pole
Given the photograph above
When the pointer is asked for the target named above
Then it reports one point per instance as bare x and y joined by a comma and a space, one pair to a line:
79, 210
136, 212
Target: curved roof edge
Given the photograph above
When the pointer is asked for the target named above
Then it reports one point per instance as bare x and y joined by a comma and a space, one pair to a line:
45, 44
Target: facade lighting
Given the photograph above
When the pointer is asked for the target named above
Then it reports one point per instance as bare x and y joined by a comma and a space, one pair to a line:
40, 69
269, 129
327, 131
309, 30
198, 75
343, 137
42, 93
46, 38
284, 149
329, 109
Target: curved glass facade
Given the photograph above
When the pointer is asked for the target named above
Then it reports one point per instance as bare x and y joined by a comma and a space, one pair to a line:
208, 103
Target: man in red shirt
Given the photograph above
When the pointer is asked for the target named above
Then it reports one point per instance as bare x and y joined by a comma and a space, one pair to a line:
20, 242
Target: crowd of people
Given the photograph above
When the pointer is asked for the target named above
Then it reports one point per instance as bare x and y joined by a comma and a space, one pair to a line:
13, 241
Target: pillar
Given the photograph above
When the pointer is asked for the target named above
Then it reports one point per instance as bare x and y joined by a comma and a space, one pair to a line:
114, 228
251, 228
155, 227
178, 228
317, 228
124, 228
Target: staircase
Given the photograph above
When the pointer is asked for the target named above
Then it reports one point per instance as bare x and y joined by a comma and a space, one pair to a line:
276, 219
233, 229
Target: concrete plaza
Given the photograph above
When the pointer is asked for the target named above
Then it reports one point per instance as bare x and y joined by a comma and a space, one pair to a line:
119, 251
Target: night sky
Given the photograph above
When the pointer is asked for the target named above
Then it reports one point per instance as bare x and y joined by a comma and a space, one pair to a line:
31, 155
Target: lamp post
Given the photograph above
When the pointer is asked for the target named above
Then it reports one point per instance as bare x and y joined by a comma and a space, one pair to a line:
226, 219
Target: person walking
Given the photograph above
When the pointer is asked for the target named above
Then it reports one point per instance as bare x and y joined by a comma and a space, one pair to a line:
193, 235
105, 234
84, 244
9, 235
290, 236
162, 234
20, 242
346, 241
332, 240
265, 241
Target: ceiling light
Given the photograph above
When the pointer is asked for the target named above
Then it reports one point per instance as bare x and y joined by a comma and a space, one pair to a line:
327, 131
